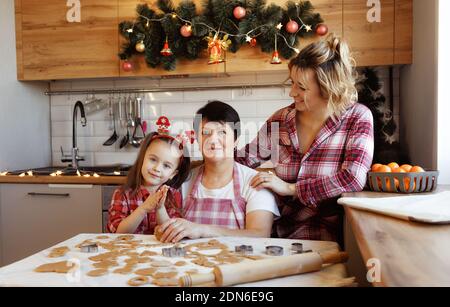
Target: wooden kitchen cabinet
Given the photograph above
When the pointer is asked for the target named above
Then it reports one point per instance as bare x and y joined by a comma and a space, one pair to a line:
49, 47
371, 43
36, 216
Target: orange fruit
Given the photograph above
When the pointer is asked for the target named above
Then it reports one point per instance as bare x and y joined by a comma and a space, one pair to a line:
406, 167
393, 165
384, 169
375, 167
399, 170
416, 169
407, 183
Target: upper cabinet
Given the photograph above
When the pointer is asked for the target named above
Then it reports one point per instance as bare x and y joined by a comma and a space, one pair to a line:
52, 44
49, 46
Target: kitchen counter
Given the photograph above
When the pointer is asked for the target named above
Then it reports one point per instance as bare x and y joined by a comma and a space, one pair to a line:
410, 254
102, 180
21, 273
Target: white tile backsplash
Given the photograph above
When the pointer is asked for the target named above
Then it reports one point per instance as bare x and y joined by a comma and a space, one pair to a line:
253, 105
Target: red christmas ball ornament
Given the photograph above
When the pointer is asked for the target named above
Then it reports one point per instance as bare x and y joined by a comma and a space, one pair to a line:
127, 66
253, 42
239, 12
292, 26
322, 29
186, 31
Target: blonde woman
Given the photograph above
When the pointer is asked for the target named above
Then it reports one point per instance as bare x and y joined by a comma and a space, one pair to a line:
321, 145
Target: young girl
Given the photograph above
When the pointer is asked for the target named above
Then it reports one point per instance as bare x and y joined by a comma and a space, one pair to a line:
150, 195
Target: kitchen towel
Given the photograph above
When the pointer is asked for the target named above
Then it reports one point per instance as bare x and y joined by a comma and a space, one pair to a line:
430, 208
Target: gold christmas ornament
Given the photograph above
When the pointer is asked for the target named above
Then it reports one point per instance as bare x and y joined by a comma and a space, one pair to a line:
140, 47
217, 48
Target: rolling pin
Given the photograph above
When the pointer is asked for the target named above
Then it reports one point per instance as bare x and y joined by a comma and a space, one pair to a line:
244, 272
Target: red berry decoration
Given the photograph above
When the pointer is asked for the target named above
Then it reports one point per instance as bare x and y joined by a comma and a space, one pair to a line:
239, 12
292, 26
127, 66
322, 29
186, 31
253, 42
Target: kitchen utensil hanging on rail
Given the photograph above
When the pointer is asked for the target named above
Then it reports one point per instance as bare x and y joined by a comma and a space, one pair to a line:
136, 139
114, 136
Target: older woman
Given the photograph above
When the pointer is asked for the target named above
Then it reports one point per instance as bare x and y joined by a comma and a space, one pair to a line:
218, 199
321, 145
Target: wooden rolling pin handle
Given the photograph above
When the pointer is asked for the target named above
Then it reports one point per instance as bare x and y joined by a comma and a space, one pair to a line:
196, 279
333, 257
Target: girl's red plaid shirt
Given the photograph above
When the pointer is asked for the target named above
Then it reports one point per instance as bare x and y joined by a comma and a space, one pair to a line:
123, 203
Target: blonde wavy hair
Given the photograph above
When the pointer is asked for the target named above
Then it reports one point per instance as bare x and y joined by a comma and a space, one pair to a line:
334, 67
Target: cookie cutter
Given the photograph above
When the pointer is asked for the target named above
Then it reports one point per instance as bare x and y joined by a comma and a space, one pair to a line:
174, 252
89, 248
274, 250
244, 249
297, 248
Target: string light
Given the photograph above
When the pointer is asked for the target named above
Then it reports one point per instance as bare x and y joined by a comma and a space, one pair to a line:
279, 26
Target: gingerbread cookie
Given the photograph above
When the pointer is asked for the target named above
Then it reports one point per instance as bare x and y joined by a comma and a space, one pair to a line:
97, 273
56, 267
124, 238
124, 270
164, 275
148, 253
181, 263
166, 282
145, 272
102, 237
138, 281
161, 264
105, 264
59, 252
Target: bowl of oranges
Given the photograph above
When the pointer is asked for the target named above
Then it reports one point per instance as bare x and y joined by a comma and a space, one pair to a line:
404, 178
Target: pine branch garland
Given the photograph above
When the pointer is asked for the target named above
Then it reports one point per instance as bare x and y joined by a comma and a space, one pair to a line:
152, 26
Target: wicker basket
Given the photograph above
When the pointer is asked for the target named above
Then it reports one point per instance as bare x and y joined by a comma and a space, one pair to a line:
403, 182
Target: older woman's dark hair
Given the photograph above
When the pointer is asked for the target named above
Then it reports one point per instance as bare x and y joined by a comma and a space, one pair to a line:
218, 111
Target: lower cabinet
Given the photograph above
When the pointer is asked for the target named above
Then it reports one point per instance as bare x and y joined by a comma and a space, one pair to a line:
34, 217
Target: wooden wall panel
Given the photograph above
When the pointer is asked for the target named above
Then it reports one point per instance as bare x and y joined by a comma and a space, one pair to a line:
403, 32
56, 49
371, 43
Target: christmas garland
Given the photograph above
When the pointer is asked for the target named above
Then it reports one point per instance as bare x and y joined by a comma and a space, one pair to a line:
171, 33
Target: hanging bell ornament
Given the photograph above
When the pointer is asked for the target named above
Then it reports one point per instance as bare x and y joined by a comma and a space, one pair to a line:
275, 58
215, 52
166, 51
140, 47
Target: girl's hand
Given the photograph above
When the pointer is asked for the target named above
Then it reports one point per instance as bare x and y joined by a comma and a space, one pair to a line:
155, 201
176, 229
268, 180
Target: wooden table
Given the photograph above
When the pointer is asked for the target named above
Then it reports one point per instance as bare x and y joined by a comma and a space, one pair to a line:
410, 254
21, 273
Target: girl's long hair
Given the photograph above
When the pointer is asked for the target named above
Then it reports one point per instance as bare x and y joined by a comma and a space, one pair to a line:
135, 180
